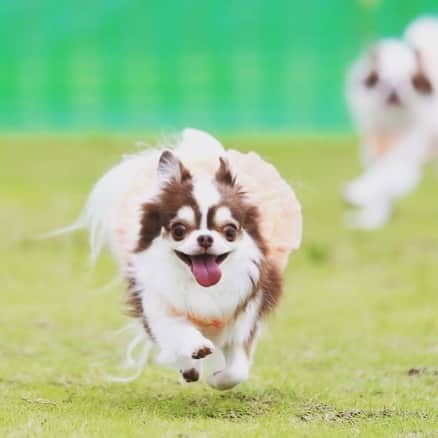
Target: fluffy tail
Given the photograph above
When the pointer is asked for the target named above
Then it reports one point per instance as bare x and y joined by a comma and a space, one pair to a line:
105, 200
79, 224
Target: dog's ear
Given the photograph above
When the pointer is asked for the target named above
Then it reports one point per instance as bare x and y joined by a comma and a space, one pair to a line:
420, 81
223, 174
150, 226
372, 77
170, 169
372, 55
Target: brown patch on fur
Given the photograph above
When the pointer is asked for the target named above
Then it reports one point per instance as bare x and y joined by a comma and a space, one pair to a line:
420, 81
201, 353
224, 175
147, 327
220, 228
188, 227
190, 375
133, 300
167, 158
158, 214
384, 143
150, 226
271, 285
199, 321
246, 215
371, 79
175, 195
242, 306
210, 217
234, 197
248, 344
205, 322
135, 305
422, 84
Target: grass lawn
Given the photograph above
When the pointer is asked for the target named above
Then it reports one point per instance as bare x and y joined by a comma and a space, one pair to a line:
359, 311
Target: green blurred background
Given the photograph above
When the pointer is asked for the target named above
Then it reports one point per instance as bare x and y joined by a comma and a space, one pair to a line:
246, 66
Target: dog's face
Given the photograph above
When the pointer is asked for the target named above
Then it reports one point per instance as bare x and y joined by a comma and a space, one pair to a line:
390, 83
203, 224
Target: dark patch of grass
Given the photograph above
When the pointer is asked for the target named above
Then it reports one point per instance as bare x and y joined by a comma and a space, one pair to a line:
323, 412
317, 254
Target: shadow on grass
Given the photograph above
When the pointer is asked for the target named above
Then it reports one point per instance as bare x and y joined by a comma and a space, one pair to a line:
188, 403
232, 405
240, 405
200, 402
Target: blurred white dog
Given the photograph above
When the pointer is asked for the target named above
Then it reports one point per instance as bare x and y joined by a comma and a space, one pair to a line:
392, 96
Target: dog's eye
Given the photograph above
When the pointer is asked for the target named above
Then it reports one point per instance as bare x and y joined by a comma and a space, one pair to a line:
230, 232
178, 231
371, 80
422, 84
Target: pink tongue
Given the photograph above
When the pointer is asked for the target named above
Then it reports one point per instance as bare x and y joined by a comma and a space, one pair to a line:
206, 270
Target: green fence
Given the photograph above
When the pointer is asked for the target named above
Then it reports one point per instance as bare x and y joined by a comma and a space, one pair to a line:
245, 65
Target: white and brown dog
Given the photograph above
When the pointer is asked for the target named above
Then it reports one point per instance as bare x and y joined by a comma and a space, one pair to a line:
392, 96
202, 236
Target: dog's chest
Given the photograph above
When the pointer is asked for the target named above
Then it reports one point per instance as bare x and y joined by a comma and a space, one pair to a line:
206, 308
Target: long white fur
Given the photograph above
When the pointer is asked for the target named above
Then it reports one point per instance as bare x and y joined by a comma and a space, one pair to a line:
412, 130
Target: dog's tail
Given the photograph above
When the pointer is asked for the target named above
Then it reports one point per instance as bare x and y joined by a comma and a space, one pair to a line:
79, 224
125, 186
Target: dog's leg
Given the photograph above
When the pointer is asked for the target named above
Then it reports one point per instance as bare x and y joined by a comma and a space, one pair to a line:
178, 339
239, 348
376, 191
369, 217
385, 181
238, 364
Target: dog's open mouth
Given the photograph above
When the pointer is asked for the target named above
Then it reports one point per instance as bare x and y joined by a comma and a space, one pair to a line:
205, 267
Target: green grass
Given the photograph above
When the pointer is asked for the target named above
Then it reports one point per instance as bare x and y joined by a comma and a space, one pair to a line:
359, 311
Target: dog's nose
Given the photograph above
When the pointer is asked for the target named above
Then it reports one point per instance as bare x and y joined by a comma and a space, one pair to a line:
393, 99
205, 241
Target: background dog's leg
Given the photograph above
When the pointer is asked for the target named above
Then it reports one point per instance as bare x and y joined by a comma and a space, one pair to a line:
392, 177
371, 216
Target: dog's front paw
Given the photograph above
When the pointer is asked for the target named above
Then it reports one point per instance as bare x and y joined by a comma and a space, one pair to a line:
190, 375
194, 348
203, 350
227, 378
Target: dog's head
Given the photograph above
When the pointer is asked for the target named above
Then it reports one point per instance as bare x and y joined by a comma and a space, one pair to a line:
390, 83
204, 224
